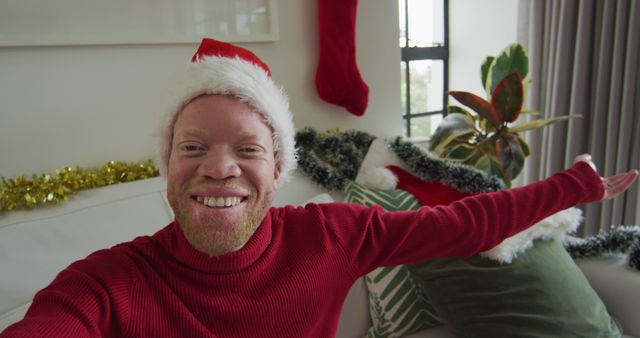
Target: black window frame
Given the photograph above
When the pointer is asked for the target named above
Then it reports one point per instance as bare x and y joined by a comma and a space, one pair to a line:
436, 52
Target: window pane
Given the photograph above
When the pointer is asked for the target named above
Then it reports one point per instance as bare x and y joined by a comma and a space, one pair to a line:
403, 22
251, 16
427, 85
426, 23
403, 86
425, 125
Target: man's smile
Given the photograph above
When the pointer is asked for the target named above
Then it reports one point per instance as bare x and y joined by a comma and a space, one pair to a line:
219, 202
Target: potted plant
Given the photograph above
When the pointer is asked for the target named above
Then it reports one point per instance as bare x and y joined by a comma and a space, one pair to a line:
486, 138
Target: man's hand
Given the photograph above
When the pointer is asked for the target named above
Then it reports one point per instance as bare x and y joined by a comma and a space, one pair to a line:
613, 185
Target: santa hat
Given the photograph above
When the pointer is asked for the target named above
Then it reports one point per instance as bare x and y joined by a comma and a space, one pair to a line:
224, 69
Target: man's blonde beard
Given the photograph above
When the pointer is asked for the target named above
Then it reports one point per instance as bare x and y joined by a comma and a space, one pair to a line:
208, 239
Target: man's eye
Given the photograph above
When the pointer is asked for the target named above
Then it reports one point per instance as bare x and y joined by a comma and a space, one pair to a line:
190, 148
250, 149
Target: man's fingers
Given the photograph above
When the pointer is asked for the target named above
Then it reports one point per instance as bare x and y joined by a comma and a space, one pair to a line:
621, 177
615, 185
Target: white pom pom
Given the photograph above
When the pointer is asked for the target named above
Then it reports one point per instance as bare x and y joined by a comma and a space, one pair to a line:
377, 178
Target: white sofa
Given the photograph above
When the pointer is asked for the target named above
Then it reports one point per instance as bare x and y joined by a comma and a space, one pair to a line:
35, 245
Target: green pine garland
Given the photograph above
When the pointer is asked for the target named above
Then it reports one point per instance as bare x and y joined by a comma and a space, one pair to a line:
332, 158
429, 167
619, 239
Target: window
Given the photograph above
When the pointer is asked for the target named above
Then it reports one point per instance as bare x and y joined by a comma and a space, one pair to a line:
424, 42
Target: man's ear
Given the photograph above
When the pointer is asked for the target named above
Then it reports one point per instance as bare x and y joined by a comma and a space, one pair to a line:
276, 177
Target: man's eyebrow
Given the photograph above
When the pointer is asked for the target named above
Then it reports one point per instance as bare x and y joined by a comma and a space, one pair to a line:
247, 135
190, 131
242, 135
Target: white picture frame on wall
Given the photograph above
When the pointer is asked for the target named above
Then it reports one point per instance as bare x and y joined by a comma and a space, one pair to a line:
115, 22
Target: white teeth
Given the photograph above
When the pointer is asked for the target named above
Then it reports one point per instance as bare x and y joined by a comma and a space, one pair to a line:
218, 202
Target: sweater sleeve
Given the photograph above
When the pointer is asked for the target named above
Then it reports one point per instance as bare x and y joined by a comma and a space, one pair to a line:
373, 237
75, 304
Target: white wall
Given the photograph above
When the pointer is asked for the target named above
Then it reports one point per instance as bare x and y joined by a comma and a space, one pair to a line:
89, 104
478, 28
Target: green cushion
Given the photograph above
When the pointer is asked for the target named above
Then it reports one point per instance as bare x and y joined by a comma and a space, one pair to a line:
398, 305
541, 294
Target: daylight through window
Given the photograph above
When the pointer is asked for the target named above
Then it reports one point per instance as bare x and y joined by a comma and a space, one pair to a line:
424, 42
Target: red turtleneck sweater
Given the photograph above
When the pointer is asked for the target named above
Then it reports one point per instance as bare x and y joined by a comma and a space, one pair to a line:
293, 275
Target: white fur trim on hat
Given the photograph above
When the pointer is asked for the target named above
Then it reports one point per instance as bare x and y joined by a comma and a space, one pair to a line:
248, 83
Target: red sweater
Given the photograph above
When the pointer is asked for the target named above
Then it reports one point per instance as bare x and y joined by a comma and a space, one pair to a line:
290, 279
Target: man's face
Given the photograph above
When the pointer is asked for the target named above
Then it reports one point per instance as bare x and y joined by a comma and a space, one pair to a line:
221, 173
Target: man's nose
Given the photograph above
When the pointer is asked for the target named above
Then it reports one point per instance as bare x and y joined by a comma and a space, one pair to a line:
219, 164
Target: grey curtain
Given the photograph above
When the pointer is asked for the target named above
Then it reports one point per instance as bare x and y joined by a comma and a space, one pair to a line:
584, 58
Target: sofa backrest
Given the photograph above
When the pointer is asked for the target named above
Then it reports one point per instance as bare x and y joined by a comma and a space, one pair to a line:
35, 245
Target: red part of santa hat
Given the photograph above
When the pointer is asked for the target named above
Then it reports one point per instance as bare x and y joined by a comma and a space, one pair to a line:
211, 47
428, 193
221, 68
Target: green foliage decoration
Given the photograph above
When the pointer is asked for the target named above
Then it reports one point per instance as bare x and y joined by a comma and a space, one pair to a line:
485, 137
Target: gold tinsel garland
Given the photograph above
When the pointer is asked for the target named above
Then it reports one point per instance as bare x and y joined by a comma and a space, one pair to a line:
24, 193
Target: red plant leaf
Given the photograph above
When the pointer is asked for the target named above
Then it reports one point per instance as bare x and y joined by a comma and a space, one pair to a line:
510, 156
479, 105
508, 97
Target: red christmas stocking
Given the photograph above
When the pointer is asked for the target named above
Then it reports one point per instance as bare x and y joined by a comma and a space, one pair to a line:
338, 80
428, 193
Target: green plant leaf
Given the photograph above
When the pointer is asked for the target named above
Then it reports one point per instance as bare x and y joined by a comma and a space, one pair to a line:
526, 82
461, 152
479, 105
451, 127
484, 69
530, 112
526, 150
507, 97
510, 156
486, 126
460, 136
512, 58
540, 123
489, 164
458, 110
